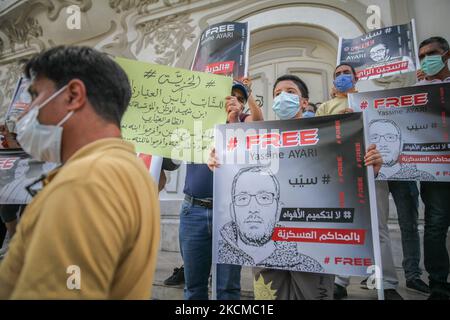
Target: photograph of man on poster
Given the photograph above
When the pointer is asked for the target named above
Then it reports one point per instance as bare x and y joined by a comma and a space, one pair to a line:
255, 210
390, 146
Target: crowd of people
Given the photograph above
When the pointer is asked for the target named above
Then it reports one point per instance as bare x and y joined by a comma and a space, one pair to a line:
99, 210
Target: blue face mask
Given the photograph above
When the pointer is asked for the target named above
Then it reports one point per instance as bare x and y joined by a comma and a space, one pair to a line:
308, 114
343, 82
432, 65
286, 105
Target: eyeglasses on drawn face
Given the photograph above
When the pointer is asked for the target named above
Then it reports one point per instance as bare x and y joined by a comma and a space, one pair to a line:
389, 137
263, 198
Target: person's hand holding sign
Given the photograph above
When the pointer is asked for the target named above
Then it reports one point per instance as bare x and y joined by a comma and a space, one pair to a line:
420, 75
233, 108
9, 141
373, 158
213, 161
346, 110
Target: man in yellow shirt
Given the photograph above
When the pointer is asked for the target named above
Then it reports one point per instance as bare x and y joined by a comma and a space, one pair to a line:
93, 231
344, 83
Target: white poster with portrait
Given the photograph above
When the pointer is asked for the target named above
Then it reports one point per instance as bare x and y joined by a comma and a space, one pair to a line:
382, 52
410, 127
295, 195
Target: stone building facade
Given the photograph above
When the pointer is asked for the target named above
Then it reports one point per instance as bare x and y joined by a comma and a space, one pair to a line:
287, 36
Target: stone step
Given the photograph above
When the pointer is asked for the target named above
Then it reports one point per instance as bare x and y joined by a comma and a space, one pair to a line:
167, 261
170, 258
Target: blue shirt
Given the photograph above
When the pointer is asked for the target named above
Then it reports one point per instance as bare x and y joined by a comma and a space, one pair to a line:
199, 181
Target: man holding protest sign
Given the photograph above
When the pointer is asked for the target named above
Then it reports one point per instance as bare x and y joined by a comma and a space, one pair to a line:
345, 80
434, 54
345, 84
394, 119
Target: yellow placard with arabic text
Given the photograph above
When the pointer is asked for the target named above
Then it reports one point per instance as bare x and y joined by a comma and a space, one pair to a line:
172, 112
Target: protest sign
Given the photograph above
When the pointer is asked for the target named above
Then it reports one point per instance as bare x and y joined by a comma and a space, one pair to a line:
223, 49
381, 53
17, 171
410, 127
299, 198
172, 111
19, 104
153, 165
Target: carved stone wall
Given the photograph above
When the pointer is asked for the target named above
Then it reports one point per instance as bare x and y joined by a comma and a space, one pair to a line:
136, 29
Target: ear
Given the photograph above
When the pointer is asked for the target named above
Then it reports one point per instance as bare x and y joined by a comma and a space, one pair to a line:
446, 56
304, 103
77, 95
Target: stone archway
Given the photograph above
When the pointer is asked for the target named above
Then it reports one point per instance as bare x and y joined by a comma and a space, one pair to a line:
303, 50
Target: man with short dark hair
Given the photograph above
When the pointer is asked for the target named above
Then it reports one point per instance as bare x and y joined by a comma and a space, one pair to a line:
93, 230
434, 54
345, 80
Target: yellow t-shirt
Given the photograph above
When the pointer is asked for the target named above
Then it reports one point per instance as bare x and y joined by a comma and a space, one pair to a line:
333, 106
94, 225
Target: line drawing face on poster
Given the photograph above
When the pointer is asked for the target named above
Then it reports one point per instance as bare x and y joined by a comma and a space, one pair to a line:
389, 145
254, 217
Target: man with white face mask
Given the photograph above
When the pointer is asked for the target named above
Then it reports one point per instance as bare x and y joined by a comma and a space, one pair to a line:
93, 230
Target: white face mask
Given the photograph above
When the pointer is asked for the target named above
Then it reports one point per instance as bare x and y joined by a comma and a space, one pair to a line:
42, 142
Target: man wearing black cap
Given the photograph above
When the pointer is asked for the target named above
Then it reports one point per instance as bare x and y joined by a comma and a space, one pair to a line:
241, 94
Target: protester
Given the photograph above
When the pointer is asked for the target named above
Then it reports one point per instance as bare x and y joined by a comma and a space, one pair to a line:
9, 213
434, 54
309, 111
345, 80
196, 216
344, 83
98, 212
291, 94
